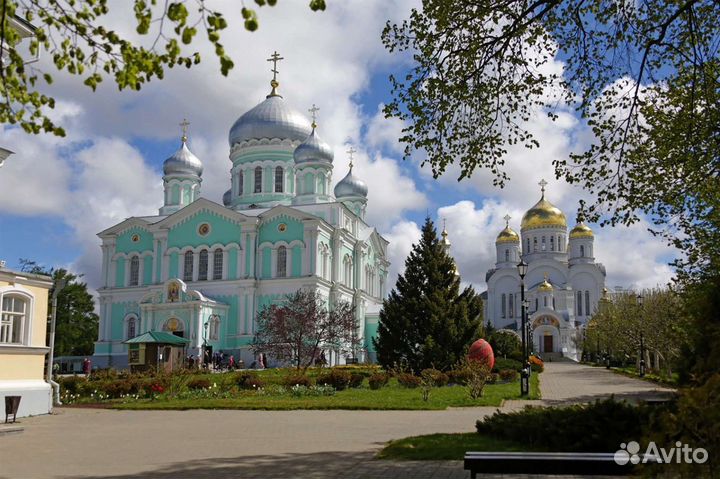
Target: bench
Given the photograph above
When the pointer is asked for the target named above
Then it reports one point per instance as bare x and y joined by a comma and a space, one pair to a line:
580, 463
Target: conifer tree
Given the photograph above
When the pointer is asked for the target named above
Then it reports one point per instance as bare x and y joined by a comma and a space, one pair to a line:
427, 321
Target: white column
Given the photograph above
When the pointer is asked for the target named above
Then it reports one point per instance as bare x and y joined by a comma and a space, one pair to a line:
239, 264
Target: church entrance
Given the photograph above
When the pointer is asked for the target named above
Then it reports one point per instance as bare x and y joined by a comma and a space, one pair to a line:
547, 344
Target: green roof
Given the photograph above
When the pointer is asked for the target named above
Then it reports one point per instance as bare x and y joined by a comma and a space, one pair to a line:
158, 337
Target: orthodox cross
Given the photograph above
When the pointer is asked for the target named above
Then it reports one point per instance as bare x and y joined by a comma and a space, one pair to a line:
507, 220
275, 58
313, 111
543, 184
184, 125
350, 153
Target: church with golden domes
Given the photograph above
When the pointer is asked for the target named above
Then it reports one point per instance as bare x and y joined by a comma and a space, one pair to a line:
563, 283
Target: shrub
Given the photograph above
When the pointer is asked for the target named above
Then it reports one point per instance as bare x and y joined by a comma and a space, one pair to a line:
248, 380
356, 380
508, 375
477, 374
378, 380
536, 364
198, 383
502, 363
297, 380
457, 376
408, 380
437, 378
103, 374
337, 378
120, 387
492, 378
70, 384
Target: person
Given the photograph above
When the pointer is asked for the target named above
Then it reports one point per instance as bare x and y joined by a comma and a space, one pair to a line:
231, 363
191, 361
87, 366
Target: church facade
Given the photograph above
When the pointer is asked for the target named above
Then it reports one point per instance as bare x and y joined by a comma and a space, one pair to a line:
203, 270
563, 284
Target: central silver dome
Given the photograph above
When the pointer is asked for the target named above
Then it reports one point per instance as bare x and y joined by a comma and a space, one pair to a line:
270, 119
183, 162
313, 149
351, 186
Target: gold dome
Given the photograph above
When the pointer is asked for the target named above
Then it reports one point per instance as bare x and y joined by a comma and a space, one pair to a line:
581, 230
508, 236
543, 214
545, 286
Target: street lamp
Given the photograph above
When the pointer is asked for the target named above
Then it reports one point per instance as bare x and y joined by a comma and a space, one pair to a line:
522, 267
57, 287
639, 299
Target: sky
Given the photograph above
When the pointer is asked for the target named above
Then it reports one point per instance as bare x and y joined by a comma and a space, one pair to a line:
56, 194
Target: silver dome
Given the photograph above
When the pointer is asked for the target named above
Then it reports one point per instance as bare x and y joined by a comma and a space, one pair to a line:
351, 185
270, 119
227, 198
183, 162
313, 149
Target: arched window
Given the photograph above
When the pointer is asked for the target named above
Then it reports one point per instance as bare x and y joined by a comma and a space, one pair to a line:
281, 262
552, 243
502, 300
188, 266
13, 319
258, 179
241, 181
545, 301
279, 179
587, 303
534, 243
582, 251
579, 303
560, 243
134, 271
131, 328
214, 327
507, 255
203, 265
543, 243
511, 305
218, 264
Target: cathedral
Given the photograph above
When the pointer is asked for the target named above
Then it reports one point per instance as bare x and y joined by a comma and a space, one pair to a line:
563, 284
202, 270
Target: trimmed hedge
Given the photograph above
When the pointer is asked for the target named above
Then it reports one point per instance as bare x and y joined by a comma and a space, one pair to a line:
378, 380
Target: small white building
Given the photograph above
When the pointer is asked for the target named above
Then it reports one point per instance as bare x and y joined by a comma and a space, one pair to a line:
562, 286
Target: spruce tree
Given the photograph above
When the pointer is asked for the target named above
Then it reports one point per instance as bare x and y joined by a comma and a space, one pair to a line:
426, 321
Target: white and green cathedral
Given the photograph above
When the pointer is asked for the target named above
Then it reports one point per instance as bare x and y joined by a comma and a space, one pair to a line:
202, 270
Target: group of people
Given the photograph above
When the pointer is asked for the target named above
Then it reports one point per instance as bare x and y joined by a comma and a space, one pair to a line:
217, 361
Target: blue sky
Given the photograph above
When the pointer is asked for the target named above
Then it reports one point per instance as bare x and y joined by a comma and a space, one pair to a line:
56, 194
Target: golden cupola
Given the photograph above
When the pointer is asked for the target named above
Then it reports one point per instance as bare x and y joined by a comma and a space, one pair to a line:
545, 286
543, 214
581, 230
507, 235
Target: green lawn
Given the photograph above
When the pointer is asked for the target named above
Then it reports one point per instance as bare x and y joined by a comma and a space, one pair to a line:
390, 397
632, 371
445, 447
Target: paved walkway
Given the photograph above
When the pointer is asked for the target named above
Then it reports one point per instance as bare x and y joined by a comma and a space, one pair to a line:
99, 443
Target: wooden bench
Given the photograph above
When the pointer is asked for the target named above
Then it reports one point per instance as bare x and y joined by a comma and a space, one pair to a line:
580, 463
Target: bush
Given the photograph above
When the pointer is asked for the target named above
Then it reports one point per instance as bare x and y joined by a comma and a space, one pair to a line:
597, 427
248, 380
378, 380
477, 375
70, 384
502, 363
438, 378
536, 364
198, 383
492, 378
103, 374
356, 380
120, 387
508, 375
457, 376
297, 380
408, 380
337, 378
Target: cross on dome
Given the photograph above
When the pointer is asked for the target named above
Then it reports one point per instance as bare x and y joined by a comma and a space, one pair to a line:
313, 111
184, 125
543, 184
275, 58
507, 220
350, 153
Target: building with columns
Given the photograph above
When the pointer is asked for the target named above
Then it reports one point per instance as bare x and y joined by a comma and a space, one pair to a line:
203, 270
562, 286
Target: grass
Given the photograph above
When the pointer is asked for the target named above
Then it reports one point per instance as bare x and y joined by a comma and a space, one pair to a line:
445, 447
632, 371
391, 397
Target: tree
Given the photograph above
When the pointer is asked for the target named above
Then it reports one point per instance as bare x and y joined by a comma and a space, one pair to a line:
505, 344
80, 40
426, 321
643, 74
298, 329
76, 326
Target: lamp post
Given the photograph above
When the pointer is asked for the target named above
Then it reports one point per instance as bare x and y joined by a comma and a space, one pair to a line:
58, 286
525, 373
639, 299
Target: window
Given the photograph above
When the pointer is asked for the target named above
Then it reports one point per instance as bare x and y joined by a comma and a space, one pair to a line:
536, 304
545, 301
203, 266
218, 264
582, 251
534, 243
552, 243
511, 306
134, 271
587, 302
241, 180
527, 249
553, 303
502, 300
560, 245
12, 321
131, 328
507, 255
579, 303
281, 262
543, 243
279, 179
214, 327
258, 179
188, 266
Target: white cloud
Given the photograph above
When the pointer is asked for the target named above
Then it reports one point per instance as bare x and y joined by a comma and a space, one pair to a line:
384, 132
401, 237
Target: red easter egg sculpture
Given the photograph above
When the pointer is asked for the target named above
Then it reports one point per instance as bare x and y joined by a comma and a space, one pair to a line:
481, 351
